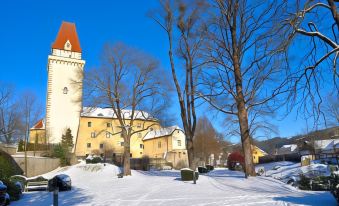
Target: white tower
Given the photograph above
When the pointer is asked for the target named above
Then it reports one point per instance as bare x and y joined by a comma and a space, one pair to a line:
64, 89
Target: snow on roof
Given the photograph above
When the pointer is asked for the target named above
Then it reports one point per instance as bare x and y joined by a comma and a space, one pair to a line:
327, 144
39, 125
161, 132
109, 113
292, 147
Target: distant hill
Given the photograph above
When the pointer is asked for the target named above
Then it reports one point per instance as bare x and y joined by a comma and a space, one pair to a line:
276, 142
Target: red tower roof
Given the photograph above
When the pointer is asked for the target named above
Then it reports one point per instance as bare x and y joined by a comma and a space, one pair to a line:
68, 32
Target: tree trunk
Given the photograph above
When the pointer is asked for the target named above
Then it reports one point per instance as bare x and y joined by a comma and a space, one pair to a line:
127, 165
190, 153
246, 142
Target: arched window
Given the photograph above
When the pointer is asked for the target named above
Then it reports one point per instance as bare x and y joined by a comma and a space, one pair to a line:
65, 90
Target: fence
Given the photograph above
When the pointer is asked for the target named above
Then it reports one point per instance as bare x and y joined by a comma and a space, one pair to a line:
275, 158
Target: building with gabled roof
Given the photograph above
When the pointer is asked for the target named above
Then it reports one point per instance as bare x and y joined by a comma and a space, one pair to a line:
168, 143
38, 132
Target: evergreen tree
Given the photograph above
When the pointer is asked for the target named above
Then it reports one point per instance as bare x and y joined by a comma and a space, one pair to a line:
21, 146
67, 139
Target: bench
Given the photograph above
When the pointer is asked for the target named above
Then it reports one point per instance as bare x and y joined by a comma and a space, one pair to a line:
36, 186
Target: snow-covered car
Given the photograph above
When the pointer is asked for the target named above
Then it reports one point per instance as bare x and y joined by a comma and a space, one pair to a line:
62, 181
4, 196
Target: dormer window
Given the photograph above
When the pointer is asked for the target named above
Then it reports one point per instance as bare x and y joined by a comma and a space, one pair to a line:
68, 46
65, 90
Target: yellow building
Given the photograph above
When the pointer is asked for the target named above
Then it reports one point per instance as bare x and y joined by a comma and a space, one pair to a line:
256, 153
167, 143
100, 133
38, 133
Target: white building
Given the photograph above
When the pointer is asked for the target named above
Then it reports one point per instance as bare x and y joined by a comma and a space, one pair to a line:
64, 87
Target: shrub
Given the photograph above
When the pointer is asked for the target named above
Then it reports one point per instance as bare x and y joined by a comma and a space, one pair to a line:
62, 153
209, 167
202, 170
145, 163
8, 167
304, 182
187, 174
233, 159
13, 191
93, 160
20, 179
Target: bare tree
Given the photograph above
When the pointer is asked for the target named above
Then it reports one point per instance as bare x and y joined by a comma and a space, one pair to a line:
183, 23
206, 141
331, 110
246, 73
130, 82
313, 30
30, 112
9, 114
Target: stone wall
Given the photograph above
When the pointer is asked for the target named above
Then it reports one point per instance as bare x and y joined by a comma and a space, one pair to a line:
9, 149
37, 165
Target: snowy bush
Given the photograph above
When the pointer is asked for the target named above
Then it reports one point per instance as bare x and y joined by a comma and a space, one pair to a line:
93, 159
235, 160
187, 174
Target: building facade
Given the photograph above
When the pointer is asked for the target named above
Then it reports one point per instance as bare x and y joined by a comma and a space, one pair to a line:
96, 131
64, 87
167, 143
100, 133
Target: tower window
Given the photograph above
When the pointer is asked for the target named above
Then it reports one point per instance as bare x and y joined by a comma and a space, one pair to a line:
93, 134
89, 124
65, 90
88, 145
108, 134
179, 143
101, 146
108, 124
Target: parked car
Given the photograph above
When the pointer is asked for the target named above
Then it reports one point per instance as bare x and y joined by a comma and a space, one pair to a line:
62, 181
4, 196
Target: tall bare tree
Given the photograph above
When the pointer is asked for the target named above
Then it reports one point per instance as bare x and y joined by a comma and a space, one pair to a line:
131, 83
313, 30
9, 114
246, 71
30, 111
185, 29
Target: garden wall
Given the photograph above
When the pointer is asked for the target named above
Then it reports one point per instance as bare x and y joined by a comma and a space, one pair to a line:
37, 165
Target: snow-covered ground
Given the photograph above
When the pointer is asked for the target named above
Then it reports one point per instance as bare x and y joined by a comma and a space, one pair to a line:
99, 185
285, 170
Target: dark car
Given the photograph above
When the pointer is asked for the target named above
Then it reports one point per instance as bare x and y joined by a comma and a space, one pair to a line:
4, 197
62, 181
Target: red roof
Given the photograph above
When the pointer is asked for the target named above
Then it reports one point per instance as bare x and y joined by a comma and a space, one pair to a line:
66, 32
39, 125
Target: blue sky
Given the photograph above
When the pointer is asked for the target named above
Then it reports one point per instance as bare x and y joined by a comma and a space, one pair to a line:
28, 29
